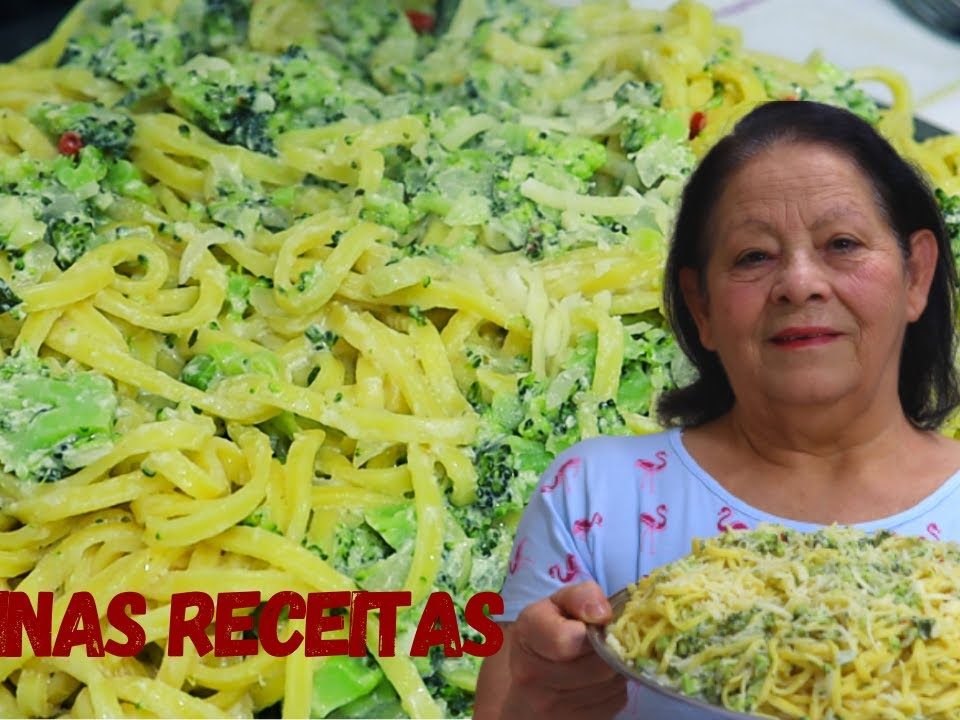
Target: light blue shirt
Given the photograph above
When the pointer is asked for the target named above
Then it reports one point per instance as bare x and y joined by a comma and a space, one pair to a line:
611, 509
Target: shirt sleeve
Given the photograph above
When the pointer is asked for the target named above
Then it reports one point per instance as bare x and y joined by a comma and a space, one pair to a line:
544, 556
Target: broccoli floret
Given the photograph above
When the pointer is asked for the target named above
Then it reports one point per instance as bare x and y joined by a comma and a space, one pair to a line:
53, 420
386, 207
646, 124
639, 94
837, 87
382, 702
581, 157
19, 226
356, 548
200, 371
313, 87
652, 363
108, 130
950, 208
137, 54
83, 172
226, 360
124, 178
457, 701
212, 93
341, 680
214, 25
8, 298
358, 27
502, 488
71, 236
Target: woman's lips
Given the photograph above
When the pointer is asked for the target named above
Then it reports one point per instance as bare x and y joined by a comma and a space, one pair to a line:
804, 337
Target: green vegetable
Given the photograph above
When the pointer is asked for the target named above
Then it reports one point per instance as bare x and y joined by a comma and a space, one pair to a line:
341, 680
104, 128
52, 421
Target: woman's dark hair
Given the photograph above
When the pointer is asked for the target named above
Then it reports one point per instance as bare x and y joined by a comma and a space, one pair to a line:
928, 383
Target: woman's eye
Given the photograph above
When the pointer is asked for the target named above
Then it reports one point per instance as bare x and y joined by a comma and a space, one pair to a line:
843, 243
751, 257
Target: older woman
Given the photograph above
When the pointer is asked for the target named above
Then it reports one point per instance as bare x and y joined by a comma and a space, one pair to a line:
811, 283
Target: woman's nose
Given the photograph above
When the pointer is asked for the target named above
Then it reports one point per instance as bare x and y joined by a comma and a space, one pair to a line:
800, 278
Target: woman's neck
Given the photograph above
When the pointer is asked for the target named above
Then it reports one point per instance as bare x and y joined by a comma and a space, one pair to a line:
824, 468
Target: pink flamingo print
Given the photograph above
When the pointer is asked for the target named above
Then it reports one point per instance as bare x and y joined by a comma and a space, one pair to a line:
724, 515
573, 569
933, 530
518, 559
561, 476
584, 525
651, 468
653, 525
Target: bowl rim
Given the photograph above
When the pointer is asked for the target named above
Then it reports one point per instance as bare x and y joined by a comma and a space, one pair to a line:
597, 636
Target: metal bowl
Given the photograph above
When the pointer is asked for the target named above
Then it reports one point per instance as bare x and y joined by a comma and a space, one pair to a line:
666, 700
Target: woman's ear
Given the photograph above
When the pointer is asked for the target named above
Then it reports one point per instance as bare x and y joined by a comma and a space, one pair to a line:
696, 300
921, 265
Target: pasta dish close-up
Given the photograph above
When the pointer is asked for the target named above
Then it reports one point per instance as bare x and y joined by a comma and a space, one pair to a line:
305, 296
837, 623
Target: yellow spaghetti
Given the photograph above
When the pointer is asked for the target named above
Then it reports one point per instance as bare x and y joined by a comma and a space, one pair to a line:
294, 297
832, 624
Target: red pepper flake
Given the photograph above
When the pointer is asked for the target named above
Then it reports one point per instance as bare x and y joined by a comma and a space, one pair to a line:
790, 97
421, 22
698, 121
70, 143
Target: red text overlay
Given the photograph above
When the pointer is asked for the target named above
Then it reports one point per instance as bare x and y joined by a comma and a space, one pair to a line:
237, 630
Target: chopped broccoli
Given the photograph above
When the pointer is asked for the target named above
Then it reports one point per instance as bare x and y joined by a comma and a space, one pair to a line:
386, 207
341, 680
71, 236
320, 338
8, 298
260, 518
137, 54
950, 208
356, 548
103, 128
53, 421
652, 363
837, 87
225, 359
639, 94
224, 101
83, 176
645, 125
381, 702
200, 371
19, 226
357, 28
214, 25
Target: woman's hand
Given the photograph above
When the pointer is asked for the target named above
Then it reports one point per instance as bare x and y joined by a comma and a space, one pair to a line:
554, 671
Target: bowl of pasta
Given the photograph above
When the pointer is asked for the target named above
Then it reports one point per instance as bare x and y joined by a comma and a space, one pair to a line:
782, 624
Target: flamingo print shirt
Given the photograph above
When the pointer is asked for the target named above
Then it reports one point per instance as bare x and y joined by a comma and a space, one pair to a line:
612, 509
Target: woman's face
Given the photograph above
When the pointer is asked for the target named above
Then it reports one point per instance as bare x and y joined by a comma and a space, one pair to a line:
807, 292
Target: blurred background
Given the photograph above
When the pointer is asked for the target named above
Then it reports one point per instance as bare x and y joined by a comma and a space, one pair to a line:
918, 38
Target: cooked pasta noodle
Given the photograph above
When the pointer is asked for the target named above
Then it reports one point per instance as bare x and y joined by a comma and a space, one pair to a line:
328, 296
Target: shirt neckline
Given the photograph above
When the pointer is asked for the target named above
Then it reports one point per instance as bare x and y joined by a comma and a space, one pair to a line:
675, 436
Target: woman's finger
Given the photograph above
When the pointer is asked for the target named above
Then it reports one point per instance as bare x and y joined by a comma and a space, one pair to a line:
584, 601
543, 631
554, 628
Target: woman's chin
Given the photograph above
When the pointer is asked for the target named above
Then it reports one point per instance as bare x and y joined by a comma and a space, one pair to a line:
810, 390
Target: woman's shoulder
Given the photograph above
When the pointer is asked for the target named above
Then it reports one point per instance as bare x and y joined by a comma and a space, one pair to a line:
613, 449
